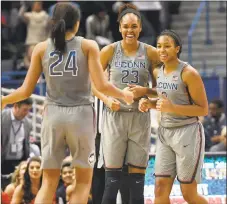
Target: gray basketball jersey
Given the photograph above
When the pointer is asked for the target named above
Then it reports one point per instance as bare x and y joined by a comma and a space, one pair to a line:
173, 87
67, 75
125, 70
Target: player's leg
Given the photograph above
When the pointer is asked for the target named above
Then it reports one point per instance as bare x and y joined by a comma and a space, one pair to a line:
191, 145
50, 180
138, 154
53, 152
190, 193
80, 137
81, 186
114, 145
124, 187
136, 178
165, 167
98, 179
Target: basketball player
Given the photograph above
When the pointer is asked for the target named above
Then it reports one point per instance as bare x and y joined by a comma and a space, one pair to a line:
182, 98
67, 61
126, 131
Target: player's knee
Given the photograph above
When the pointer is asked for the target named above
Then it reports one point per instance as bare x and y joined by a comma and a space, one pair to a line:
189, 195
160, 187
135, 170
50, 177
84, 176
112, 185
112, 179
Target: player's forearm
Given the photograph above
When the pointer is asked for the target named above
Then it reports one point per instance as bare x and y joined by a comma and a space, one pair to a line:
111, 90
190, 110
18, 95
151, 92
99, 95
152, 104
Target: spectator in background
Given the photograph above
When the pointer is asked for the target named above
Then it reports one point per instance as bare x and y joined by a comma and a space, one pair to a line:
17, 179
26, 192
214, 123
37, 23
98, 26
15, 135
5, 198
67, 174
37, 27
221, 146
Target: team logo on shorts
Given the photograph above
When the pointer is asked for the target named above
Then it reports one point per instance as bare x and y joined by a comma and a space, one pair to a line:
91, 158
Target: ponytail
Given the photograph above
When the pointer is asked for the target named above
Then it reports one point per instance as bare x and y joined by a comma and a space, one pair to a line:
58, 35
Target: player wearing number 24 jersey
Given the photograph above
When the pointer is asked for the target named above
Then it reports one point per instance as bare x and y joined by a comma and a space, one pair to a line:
68, 63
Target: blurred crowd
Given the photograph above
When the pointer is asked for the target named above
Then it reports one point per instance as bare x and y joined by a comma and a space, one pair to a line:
26, 23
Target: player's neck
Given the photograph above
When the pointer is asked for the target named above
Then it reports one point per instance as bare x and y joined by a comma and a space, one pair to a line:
171, 66
69, 35
130, 48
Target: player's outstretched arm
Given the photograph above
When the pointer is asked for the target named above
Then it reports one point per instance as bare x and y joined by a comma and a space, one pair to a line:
33, 74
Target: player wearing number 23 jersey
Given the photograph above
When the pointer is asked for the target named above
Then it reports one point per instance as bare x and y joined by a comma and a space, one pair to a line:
126, 131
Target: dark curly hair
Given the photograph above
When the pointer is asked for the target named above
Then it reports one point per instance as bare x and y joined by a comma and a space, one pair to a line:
28, 196
128, 8
175, 37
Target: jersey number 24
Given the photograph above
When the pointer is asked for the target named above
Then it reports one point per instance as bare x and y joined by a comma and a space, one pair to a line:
70, 64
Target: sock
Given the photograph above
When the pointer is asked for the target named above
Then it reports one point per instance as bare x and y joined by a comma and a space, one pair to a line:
136, 187
112, 184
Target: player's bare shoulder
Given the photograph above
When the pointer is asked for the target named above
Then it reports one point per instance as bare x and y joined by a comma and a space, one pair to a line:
89, 45
189, 73
40, 48
108, 50
151, 52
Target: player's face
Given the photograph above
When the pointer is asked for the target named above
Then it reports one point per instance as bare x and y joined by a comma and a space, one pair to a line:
130, 28
34, 170
166, 48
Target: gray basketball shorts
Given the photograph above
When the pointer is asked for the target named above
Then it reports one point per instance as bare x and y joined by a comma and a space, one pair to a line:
72, 127
180, 152
125, 138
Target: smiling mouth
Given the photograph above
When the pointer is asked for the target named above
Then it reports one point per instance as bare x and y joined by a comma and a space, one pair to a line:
130, 36
163, 55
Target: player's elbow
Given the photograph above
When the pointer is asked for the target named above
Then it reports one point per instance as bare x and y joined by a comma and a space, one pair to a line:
204, 111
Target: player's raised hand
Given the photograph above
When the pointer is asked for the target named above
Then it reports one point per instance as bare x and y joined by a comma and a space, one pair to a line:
137, 90
128, 96
164, 104
144, 104
113, 104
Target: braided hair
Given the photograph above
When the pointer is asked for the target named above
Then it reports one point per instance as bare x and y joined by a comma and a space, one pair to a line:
175, 37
